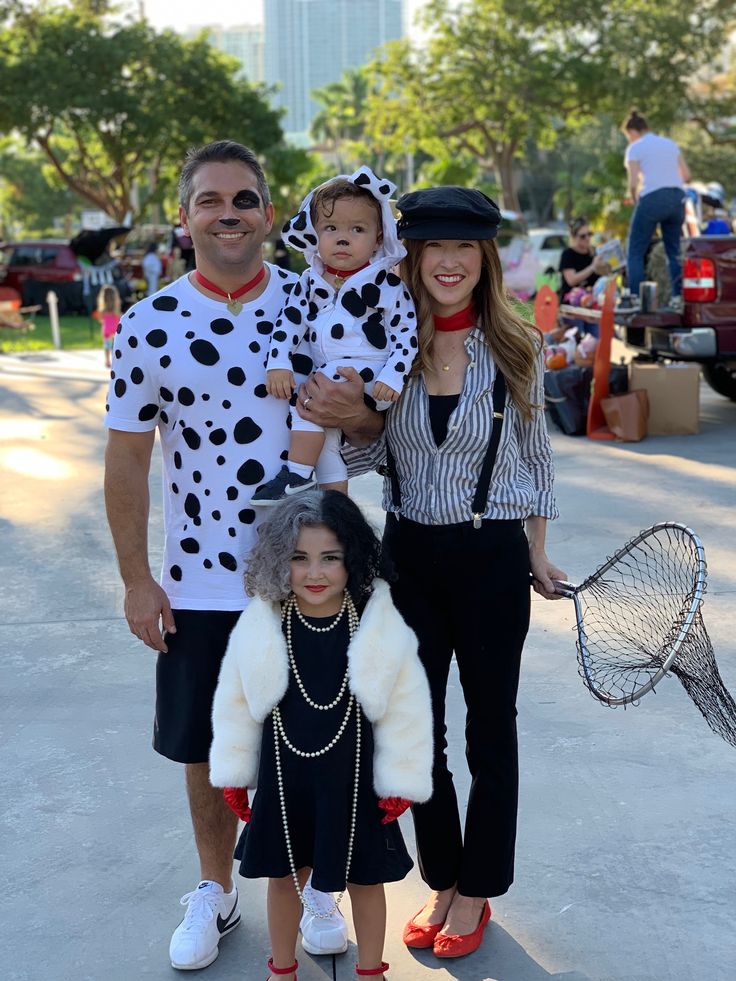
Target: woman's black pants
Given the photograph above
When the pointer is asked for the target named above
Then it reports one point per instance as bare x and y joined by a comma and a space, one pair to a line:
466, 590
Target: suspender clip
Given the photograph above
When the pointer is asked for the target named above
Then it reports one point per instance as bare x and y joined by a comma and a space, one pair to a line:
498, 415
477, 520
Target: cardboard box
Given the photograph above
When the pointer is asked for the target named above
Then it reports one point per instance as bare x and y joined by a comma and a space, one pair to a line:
674, 396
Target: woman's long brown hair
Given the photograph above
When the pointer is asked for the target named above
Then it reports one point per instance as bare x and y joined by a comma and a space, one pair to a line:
514, 342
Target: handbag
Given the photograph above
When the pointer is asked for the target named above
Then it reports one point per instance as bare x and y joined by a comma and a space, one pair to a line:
627, 414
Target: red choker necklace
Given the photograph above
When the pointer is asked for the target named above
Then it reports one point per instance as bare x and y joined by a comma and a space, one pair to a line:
457, 321
233, 304
342, 274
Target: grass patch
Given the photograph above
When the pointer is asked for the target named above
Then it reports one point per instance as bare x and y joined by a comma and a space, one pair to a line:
77, 333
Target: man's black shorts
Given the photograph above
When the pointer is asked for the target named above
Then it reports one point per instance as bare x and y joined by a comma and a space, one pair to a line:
186, 678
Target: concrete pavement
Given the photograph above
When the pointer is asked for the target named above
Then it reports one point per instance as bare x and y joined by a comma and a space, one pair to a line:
627, 843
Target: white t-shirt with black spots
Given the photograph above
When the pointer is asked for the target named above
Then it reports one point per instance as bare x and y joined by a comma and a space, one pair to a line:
184, 363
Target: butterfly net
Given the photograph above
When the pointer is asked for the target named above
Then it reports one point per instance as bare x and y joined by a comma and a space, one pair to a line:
641, 618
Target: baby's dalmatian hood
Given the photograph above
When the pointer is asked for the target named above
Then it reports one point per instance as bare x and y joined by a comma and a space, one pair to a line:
300, 234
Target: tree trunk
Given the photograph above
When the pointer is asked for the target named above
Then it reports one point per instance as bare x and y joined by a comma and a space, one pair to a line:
504, 164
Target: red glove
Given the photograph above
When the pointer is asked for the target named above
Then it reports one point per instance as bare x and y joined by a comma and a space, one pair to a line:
394, 808
236, 799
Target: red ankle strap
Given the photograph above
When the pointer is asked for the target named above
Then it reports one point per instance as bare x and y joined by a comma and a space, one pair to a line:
282, 970
371, 972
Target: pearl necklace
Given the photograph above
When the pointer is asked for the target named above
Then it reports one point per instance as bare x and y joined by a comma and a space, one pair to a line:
278, 731
291, 606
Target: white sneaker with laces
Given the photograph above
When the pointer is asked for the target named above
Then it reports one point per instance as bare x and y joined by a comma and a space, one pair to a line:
322, 935
211, 913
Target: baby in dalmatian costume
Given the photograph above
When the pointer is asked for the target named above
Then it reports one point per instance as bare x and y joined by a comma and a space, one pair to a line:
349, 308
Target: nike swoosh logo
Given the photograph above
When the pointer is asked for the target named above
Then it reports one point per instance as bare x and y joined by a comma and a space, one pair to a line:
223, 925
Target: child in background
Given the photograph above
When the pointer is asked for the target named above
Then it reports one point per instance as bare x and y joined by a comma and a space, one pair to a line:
108, 313
352, 311
322, 703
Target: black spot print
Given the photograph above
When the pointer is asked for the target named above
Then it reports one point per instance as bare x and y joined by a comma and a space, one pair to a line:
132, 342
165, 361
216, 515
392, 279
301, 364
395, 321
164, 418
119, 328
186, 313
254, 346
156, 338
118, 353
400, 366
232, 493
147, 412
264, 327
165, 394
413, 342
175, 573
236, 376
218, 436
220, 460
191, 438
165, 303
247, 516
192, 506
354, 304
131, 315
299, 222
207, 564
175, 488
120, 388
321, 292
260, 392
206, 492
232, 532
205, 397
384, 188
189, 335
380, 277
190, 546
222, 326
204, 352
197, 476
279, 335
246, 430
185, 396
337, 331
374, 331
177, 459
371, 295
251, 472
293, 315
227, 561
367, 375
226, 403
362, 179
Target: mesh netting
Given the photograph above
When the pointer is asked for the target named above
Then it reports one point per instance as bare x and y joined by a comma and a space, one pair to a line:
640, 617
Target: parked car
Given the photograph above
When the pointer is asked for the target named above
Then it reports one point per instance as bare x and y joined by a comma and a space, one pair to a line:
34, 267
547, 246
705, 330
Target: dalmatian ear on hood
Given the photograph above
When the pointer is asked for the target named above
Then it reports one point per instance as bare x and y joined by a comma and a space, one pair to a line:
300, 234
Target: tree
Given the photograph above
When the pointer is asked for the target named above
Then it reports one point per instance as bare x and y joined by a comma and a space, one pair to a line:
114, 107
495, 74
30, 199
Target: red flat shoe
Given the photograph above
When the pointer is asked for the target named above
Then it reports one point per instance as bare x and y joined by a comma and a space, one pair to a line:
420, 935
458, 945
282, 970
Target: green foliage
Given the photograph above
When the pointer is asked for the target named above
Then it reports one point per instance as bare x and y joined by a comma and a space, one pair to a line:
114, 107
30, 199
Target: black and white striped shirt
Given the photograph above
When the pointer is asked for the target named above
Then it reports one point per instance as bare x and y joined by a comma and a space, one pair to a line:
438, 482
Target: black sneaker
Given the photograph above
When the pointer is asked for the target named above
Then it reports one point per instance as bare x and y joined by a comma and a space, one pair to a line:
283, 485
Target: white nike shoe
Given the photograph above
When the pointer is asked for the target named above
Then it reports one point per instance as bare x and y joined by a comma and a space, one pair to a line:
211, 913
320, 934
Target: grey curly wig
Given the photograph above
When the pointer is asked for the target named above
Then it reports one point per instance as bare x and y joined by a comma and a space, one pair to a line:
269, 568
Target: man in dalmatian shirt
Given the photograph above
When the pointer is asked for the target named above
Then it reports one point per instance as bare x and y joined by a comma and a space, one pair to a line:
350, 308
190, 362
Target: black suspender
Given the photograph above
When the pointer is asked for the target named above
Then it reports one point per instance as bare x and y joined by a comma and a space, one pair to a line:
480, 499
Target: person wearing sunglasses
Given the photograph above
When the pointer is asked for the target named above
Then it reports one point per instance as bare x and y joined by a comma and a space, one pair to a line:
579, 265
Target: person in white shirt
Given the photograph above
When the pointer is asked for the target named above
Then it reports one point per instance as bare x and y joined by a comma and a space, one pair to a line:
152, 269
657, 174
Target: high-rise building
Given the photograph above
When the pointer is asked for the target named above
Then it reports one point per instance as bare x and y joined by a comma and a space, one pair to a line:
310, 43
244, 42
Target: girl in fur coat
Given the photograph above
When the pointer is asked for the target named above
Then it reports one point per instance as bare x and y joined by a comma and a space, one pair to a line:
323, 704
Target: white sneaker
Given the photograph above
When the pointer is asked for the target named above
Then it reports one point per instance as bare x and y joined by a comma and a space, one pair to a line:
322, 935
211, 913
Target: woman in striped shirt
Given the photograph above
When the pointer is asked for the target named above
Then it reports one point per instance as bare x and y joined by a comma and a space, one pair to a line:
468, 490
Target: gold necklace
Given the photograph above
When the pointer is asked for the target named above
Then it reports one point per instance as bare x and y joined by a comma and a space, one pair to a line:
446, 366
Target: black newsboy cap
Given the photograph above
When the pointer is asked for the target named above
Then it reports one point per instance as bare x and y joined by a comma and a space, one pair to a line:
447, 212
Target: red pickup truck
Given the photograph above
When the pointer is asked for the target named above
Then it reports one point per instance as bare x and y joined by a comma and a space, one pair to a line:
705, 331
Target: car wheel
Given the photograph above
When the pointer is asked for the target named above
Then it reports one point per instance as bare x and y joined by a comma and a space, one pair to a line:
721, 376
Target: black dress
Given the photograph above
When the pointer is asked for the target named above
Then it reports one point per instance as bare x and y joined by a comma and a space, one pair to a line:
319, 791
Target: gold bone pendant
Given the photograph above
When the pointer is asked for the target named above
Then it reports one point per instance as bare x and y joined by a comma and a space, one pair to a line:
235, 306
